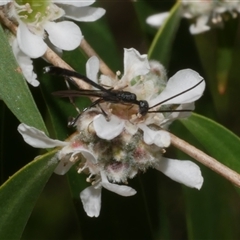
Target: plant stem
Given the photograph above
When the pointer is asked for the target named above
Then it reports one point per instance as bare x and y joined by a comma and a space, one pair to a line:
90, 52
206, 160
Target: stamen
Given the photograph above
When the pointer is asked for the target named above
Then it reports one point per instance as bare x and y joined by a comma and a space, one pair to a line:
74, 158
23, 8
80, 170
37, 21
90, 179
96, 181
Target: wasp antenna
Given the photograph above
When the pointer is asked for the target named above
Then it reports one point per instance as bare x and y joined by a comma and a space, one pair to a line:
177, 94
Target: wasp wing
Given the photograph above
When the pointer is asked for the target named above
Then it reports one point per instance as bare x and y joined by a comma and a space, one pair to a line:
79, 93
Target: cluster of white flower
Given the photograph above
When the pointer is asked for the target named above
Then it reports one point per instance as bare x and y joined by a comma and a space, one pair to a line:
39, 27
204, 13
114, 150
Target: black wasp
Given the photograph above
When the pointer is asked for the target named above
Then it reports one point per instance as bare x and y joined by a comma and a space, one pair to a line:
107, 95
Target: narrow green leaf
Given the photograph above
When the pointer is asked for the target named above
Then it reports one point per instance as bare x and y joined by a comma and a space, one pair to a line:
219, 142
219, 54
208, 209
19, 194
14, 90
143, 10
161, 46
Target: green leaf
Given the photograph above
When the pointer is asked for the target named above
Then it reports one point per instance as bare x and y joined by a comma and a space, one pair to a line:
219, 54
19, 194
14, 90
210, 208
161, 46
219, 142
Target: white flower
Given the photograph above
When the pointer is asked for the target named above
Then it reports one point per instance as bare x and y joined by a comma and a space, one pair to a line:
36, 20
204, 13
103, 169
117, 148
91, 196
148, 83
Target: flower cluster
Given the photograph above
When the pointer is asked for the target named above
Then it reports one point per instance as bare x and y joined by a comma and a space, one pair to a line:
40, 26
204, 13
114, 148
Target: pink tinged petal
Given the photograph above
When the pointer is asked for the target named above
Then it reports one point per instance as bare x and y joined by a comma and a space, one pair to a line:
65, 35
200, 26
37, 138
134, 64
74, 3
92, 68
181, 81
25, 64
84, 14
185, 172
91, 200
108, 129
31, 44
157, 20
159, 138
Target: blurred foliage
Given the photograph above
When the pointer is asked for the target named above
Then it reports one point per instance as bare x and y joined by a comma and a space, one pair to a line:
162, 209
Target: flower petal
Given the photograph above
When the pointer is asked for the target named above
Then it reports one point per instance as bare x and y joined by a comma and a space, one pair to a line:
84, 14
200, 26
160, 138
89, 156
92, 68
176, 115
37, 138
157, 20
122, 190
185, 172
74, 3
63, 166
3, 2
67, 155
134, 64
108, 129
29, 43
91, 199
181, 81
119, 189
65, 35
25, 64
